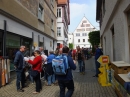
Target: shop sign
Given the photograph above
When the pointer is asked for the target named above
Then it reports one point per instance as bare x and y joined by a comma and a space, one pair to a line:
103, 59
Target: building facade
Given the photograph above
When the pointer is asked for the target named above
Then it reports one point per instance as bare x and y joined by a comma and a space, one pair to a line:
70, 38
63, 20
27, 22
114, 19
80, 34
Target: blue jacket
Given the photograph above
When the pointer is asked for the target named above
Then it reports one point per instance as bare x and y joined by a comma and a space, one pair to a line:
19, 60
50, 58
68, 76
98, 53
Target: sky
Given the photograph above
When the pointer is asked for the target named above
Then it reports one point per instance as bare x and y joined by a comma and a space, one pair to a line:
79, 8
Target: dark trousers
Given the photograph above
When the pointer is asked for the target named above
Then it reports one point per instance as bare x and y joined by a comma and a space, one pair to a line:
83, 66
80, 63
38, 83
20, 78
70, 86
97, 67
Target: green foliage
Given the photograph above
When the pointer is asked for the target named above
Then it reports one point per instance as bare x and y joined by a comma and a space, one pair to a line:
70, 45
94, 39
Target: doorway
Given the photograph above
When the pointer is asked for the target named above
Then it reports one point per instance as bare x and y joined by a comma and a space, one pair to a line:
1, 43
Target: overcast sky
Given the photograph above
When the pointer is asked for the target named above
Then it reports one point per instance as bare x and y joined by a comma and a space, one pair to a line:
79, 8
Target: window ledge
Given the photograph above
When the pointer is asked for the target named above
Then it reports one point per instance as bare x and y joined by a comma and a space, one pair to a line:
52, 30
41, 21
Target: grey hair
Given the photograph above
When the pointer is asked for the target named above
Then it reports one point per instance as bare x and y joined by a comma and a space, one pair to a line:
22, 46
51, 52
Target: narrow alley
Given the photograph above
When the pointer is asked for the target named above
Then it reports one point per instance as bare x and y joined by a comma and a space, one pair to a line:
85, 86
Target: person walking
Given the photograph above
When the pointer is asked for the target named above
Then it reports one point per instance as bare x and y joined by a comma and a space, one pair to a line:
98, 53
49, 69
19, 68
67, 80
37, 67
80, 59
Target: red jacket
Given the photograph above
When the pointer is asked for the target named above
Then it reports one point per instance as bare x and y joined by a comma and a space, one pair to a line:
36, 63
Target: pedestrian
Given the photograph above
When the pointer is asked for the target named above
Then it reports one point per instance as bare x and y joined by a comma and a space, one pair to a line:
80, 59
67, 80
37, 67
98, 53
19, 67
49, 70
41, 50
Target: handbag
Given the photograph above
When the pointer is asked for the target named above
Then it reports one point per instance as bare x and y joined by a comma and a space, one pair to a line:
34, 73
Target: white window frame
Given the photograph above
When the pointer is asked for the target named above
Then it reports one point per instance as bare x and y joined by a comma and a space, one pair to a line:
52, 4
77, 34
78, 40
58, 12
59, 31
40, 13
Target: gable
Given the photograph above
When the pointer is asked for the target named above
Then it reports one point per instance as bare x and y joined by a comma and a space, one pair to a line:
84, 26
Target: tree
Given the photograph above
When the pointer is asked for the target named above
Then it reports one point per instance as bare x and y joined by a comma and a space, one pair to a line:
94, 39
70, 45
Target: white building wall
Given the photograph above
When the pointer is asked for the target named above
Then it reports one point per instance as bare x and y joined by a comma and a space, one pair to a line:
119, 20
85, 44
19, 29
70, 38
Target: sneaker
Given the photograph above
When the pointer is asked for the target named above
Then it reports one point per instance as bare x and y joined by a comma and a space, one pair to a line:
83, 73
20, 90
80, 73
35, 92
95, 76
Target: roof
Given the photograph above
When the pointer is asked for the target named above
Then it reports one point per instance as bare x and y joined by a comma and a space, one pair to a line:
88, 22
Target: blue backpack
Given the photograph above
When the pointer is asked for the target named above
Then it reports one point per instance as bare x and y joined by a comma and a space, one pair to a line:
60, 65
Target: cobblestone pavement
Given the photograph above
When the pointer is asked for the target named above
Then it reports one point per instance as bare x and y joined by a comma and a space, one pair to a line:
85, 86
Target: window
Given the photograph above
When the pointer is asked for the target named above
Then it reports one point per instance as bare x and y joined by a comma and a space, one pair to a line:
83, 40
52, 3
52, 24
84, 34
58, 12
84, 21
88, 29
77, 34
78, 40
82, 25
104, 7
58, 31
87, 25
40, 12
50, 43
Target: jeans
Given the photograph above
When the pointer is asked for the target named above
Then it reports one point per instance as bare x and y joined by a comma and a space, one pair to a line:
38, 83
20, 78
30, 77
97, 67
70, 86
80, 63
51, 79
